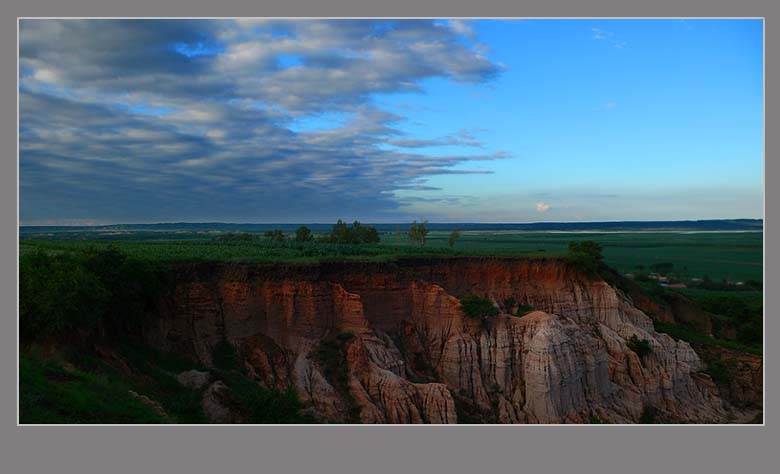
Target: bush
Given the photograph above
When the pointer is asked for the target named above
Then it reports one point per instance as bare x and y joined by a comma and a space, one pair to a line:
59, 294
585, 255
275, 235
678, 331
478, 308
261, 405
303, 234
642, 347
357, 234
510, 303
525, 309
648, 416
720, 370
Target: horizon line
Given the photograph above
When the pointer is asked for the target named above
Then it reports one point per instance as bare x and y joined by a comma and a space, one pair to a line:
398, 222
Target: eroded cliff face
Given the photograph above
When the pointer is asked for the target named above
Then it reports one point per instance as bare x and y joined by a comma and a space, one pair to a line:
414, 357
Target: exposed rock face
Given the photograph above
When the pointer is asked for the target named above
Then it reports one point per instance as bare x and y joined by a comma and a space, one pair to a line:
415, 357
193, 378
743, 381
219, 406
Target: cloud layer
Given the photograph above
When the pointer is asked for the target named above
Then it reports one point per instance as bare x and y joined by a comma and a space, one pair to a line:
150, 120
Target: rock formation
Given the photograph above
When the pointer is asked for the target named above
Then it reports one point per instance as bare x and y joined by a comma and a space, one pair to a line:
388, 342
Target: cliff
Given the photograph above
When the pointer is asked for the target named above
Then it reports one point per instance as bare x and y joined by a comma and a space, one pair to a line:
402, 351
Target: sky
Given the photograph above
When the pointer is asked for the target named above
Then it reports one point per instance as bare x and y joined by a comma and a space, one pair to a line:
295, 121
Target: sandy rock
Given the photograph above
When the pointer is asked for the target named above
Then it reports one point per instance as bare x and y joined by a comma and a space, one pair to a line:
219, 406
194, 379
150, 403
414, 351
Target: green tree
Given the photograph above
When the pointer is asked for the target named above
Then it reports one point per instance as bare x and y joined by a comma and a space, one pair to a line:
418, 232
357, 234
476, 307
276, 235
454, 235
303, 234
585, 255
57, 295
642, 347
340, 232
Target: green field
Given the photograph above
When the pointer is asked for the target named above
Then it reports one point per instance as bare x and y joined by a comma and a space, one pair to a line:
733, 256
723, 255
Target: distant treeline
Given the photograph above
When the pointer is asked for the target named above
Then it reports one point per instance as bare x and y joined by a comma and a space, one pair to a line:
700, 225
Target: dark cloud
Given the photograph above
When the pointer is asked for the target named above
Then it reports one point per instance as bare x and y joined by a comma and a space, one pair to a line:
149, 120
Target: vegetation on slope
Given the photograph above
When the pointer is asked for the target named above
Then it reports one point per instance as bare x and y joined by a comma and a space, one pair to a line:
85, 308
476, 307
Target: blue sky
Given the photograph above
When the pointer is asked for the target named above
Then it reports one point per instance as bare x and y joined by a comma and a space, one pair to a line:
450, 121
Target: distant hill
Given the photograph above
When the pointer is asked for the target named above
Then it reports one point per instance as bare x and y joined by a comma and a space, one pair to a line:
700, 225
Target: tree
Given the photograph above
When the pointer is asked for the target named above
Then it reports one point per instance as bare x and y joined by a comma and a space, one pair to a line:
303, 234
365, 234
454, 235
276, 235
642, 347
340, 232
357, 234
585, 255
476, 307
418, 231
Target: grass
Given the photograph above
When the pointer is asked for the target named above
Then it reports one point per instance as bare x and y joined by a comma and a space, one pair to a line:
720, 255
91, 391
678, 331
48, 393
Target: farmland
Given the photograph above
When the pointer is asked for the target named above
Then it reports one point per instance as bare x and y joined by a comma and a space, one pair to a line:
731, 256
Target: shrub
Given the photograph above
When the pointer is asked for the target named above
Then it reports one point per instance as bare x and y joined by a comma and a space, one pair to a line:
57, 295
648, 416
642, 347
510, 303
719, 370
357, 234
585, 255
303, 234
62, 293
524, 309
275, 235
261, 405
478, 308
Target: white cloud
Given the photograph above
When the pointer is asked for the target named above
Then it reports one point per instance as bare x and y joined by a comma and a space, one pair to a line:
542, 206
599, 34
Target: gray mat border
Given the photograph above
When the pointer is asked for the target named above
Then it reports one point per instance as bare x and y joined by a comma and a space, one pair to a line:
396, 449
